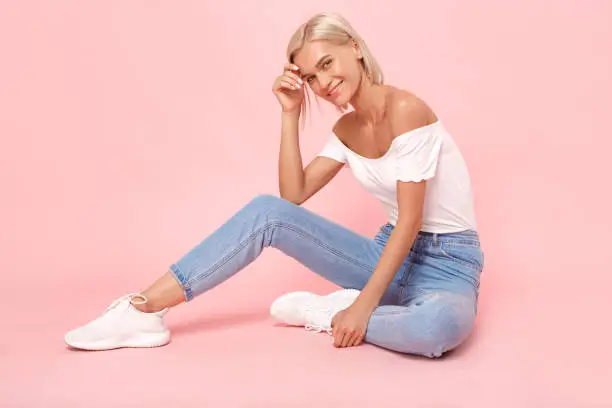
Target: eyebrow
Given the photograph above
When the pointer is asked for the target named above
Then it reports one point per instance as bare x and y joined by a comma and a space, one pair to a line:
319, 62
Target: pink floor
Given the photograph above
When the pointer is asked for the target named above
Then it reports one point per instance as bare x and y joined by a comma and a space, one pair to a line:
226, 352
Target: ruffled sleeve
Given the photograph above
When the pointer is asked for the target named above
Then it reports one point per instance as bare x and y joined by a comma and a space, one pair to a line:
334, 149
417, 154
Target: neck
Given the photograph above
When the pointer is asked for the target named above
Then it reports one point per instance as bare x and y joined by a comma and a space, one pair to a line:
369, 101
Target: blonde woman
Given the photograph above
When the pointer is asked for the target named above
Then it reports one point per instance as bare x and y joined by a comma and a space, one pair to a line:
411, 288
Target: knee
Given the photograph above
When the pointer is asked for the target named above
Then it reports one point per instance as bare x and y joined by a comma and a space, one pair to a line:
269, 207
263, 203
447, 321
267, 201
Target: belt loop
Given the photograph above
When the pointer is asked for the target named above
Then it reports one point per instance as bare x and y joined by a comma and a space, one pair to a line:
435, 238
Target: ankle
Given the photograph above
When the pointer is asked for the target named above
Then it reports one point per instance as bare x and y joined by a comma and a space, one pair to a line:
148, 308
145, 305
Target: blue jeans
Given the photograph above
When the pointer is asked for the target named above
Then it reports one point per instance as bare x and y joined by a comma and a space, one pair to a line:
428, 308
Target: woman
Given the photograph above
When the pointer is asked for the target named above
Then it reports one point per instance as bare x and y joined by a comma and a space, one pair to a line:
413, 288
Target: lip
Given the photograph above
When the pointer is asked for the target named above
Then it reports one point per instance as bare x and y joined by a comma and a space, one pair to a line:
335, 91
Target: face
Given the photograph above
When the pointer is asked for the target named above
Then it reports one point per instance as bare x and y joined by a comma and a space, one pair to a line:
332, 71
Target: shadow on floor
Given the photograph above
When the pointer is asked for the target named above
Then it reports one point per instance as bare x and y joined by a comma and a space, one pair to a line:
218, 321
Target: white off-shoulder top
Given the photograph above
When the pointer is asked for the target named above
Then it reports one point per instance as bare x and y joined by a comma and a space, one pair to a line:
426, 153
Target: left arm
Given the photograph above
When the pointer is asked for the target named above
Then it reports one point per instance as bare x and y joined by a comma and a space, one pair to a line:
352, 328
410, 197
407, 112
349, 325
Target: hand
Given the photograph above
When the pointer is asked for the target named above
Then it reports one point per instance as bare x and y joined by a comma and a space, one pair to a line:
349, 326
289, 88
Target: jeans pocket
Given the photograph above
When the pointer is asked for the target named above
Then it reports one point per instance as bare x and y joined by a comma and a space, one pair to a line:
468, 255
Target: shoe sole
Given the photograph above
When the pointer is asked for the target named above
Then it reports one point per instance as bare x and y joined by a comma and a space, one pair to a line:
141, 340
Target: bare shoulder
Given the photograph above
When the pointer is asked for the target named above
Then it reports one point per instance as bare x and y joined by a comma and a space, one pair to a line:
344, 125
407, 112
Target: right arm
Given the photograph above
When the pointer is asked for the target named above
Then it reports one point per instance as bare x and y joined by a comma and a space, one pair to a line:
296, 183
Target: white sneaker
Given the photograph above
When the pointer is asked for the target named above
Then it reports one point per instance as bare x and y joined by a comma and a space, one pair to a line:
121, 325
314, 312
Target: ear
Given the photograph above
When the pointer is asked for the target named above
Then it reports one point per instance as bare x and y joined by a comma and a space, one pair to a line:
356, 49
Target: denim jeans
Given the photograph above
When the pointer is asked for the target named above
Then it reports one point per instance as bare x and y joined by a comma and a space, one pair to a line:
429, 307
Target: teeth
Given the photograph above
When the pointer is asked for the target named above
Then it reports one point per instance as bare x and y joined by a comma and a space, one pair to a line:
335, 88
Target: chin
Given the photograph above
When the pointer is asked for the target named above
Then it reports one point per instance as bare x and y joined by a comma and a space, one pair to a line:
344, 101
342, 104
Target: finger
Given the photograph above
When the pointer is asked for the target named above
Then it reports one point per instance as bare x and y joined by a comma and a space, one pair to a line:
288, 80
292, 80
335, 323
295, 77
283, 82
352, 340
339, 338
291, 67
288, 85
357, 339
347, 339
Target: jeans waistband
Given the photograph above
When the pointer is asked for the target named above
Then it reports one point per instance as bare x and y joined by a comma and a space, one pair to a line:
423, 236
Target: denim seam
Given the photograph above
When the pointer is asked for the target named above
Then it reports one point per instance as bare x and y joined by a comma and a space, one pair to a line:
460, 243
407, 272
460, 261
263, 229
407, 308
178, 275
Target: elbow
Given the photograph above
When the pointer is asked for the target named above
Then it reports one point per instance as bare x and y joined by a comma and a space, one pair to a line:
295, 201
292, 198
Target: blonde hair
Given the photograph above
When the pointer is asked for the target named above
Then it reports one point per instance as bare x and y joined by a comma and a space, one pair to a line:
336, 29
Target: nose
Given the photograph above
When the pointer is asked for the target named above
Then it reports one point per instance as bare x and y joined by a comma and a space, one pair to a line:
324, 81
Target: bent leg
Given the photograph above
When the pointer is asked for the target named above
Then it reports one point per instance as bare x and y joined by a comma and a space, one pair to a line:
429, 326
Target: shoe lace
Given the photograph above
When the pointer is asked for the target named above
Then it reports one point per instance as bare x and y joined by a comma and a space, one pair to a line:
317, 316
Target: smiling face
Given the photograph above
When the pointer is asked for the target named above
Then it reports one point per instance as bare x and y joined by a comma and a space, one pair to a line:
333, 72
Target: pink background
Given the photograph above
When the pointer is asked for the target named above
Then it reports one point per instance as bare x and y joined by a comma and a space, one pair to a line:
131, 129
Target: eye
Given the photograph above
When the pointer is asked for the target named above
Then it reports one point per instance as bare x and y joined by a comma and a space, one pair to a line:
310, 79
327, 63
